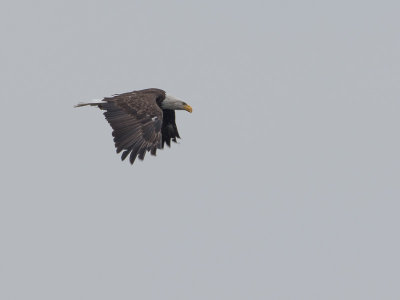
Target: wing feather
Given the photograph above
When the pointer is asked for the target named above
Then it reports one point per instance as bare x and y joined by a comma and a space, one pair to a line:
136, 120
169, 129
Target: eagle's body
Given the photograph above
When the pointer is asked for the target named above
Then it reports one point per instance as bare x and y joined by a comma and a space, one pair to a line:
142, 121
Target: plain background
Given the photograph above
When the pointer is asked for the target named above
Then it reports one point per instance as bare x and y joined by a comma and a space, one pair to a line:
284, 186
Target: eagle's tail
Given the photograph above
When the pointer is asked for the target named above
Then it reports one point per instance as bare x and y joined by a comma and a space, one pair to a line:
96, 102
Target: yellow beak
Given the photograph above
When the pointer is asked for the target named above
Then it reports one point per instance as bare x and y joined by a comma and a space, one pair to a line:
188, 108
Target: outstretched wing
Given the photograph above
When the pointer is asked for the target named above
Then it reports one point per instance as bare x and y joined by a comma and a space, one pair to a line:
136, 120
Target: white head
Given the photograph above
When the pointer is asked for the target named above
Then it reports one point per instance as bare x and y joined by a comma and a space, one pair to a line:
171, 102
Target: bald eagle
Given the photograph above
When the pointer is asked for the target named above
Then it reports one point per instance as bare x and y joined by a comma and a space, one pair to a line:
142, 121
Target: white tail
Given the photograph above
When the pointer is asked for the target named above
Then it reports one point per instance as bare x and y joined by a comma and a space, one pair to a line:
93, 103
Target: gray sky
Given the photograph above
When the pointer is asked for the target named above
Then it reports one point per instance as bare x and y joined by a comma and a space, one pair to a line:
284, 186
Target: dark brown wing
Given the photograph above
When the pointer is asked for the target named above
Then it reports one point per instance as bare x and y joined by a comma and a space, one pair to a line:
169, 130
136, 120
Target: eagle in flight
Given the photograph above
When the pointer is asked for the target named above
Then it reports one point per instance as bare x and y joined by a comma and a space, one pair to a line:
142, 121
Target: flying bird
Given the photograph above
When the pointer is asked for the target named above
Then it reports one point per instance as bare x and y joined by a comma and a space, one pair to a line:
142, 121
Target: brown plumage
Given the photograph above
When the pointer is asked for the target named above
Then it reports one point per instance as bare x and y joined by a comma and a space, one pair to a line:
142, 121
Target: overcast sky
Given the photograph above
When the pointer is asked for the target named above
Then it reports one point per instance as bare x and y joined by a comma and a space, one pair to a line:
285, 184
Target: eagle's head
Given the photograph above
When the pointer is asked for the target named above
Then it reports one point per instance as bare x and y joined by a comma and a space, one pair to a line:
171, 102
